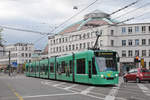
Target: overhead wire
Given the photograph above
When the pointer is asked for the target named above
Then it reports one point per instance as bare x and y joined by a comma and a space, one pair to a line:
25, 30
132, 10
125, 7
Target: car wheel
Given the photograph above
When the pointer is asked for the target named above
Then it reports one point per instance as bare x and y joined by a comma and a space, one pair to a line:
138, 80
149, 81
125, 79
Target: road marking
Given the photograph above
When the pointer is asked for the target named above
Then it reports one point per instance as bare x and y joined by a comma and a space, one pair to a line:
47, 82
67, 88
17, 94
59, 84
114, 91
145, 90
86, 91
49, 95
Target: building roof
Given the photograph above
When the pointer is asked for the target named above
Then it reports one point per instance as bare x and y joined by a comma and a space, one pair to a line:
93, 19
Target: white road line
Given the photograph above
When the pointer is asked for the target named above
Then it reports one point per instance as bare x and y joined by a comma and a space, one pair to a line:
47, 82
145, 90
67, 88
86, 91
59, 84
114, 91
49, 95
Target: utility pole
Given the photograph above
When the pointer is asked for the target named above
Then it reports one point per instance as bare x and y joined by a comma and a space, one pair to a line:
9, 66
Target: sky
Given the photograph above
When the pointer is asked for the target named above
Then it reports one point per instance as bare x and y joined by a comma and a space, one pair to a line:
46, 15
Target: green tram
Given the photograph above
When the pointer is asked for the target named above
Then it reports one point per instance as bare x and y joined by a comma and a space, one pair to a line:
96, 67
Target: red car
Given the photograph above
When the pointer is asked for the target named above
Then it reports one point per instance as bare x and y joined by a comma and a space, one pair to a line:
138, 75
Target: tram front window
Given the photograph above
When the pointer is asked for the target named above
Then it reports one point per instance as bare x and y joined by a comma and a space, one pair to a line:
106, 64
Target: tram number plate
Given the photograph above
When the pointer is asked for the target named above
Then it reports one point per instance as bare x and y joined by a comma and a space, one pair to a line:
110, 78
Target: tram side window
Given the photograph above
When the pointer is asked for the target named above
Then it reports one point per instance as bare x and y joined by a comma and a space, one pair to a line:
46, 69
52, 67
31, 69
94, 69
63, 64
42, 68
37, 68
81, 66
70, 64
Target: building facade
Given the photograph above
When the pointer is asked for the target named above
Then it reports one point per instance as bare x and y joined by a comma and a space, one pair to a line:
129, 40
19, 52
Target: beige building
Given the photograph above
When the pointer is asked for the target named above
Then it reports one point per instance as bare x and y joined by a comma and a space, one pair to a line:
19, 52
129, 40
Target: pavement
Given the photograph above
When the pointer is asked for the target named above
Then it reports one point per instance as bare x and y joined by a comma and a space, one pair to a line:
21, 87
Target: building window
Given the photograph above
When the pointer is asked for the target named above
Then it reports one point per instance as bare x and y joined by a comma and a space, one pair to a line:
73, 47
81, 66
143, 29
136, 41
112, 32
129, 30
143, 41
143, 52
66, 48
130, 42
84, 45
88, 35
80, 45
76, 46
123, 42
130, 53
26, 55
123, 53
145, 64
136, 52
63, 40
148, 41
149, 28
22, 54
123, 30
112, 42
136, 28
88, 44
69, 47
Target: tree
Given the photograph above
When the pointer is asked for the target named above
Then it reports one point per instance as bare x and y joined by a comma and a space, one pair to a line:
1, 36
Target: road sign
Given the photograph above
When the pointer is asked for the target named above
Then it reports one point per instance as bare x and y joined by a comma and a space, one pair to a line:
14, 64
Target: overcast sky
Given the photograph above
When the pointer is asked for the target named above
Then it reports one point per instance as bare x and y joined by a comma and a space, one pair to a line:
45, 15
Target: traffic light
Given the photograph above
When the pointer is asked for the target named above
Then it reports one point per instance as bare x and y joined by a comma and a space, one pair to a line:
136, 59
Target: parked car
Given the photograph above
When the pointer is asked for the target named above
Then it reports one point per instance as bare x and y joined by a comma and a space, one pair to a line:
138, 75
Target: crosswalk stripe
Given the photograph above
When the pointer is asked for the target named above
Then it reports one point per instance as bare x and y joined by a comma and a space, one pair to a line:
86, 91
145, 90
114, 91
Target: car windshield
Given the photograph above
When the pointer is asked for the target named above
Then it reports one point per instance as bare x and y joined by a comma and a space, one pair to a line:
106, 64
145, 70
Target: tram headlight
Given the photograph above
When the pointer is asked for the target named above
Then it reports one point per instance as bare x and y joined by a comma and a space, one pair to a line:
102, 76
116, 75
